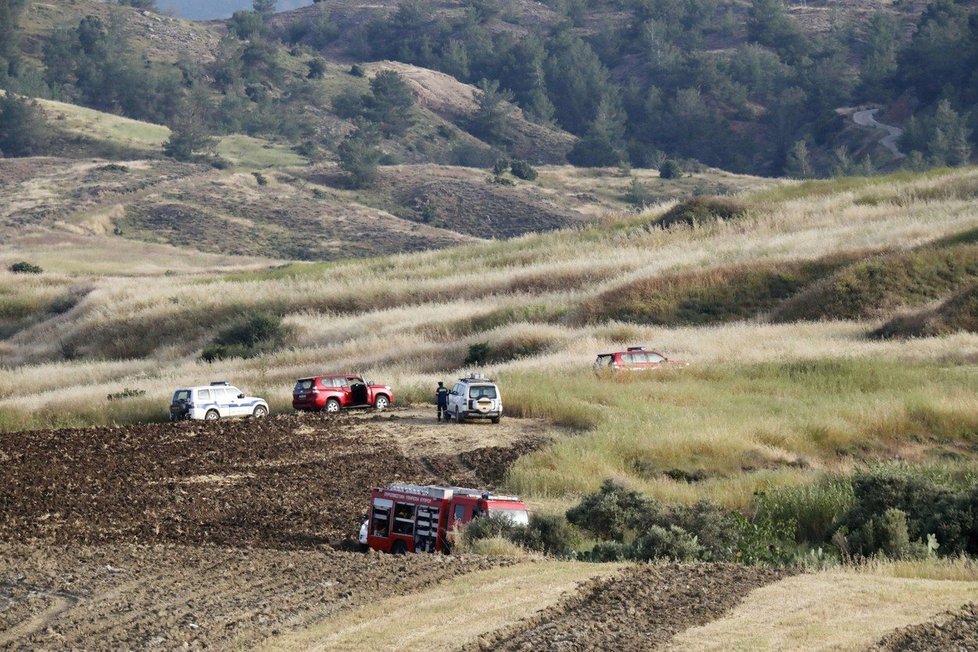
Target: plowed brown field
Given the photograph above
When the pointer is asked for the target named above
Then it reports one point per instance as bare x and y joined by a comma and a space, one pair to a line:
283, 482
226, 535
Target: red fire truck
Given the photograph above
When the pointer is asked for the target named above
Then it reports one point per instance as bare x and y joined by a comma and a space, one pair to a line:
418, 518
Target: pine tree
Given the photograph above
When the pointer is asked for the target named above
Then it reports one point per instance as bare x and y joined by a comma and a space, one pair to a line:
23, 131
264, 7
798, 165
10, 11
360, 155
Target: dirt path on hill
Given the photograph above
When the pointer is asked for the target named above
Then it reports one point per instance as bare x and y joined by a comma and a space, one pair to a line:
867, 118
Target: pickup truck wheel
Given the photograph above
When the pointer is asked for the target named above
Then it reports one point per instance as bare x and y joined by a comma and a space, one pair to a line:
260, 412
212, 415
332, 406
382, 403
399, 548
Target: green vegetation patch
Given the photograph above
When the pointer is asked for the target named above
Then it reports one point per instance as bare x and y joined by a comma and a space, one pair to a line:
702, 210
711, 297
883, 283
959, 313
734, 429
253, 152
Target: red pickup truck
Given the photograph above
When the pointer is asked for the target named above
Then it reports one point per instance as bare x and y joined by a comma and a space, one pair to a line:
334, 392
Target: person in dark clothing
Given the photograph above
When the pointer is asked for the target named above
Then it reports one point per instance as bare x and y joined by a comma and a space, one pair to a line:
441, 398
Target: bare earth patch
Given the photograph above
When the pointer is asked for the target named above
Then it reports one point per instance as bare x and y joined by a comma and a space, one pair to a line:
643, 607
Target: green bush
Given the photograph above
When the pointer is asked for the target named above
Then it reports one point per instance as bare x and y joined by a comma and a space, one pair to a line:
523, 170
672, 543
715, 528
614, 512
25, 268
700, 210
929, 507
607, 551
247, 337
550, 534
487, 527
670, 170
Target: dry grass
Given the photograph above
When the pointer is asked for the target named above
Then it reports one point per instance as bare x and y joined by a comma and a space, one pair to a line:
760, 404
833, 610
454, 613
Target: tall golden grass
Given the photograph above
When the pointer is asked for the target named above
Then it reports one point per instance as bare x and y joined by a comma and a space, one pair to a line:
760, 404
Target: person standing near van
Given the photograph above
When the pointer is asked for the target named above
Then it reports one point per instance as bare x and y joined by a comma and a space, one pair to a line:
441, 398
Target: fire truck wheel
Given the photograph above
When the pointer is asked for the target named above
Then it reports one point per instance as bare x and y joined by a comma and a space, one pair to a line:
399, 548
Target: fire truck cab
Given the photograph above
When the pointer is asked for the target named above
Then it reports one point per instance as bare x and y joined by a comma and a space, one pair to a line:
419, 518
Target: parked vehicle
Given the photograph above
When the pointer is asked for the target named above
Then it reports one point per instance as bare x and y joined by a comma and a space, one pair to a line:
335, 392
421, 518
475, 397
635, 358
215, 401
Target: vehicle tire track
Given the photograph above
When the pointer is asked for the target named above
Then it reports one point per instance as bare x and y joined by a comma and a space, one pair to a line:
61, 602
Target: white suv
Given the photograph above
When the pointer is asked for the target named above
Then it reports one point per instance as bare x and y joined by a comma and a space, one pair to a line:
475, 397
215, 401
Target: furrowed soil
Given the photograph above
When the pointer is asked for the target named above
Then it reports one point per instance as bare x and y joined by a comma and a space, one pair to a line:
285, 482
229, 534
159, 536
640, 609
955, 630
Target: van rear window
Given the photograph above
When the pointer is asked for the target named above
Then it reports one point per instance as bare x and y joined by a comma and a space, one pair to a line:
482, 391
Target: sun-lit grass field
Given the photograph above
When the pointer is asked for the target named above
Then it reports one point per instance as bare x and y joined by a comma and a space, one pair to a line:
759, 404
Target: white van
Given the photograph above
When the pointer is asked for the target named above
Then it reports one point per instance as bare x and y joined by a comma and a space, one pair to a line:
475, 397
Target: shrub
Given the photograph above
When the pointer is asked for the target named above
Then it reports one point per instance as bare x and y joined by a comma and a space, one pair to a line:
614, 512
357, 70
715, 528
523, 170
700, 210
25, 268
550, 534
247, 337
608, 551
670, 170
260, 178
928, 507
672, 543
488, 527
478, 353
500, 166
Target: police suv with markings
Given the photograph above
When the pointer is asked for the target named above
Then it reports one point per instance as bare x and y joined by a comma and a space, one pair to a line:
215, 401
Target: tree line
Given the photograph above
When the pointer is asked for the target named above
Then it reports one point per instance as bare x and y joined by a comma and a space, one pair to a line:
655, 88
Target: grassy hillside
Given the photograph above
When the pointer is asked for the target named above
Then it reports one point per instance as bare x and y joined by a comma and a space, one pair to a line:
765, 401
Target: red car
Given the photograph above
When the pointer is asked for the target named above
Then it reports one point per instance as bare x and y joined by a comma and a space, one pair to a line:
331, 393
636, 358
